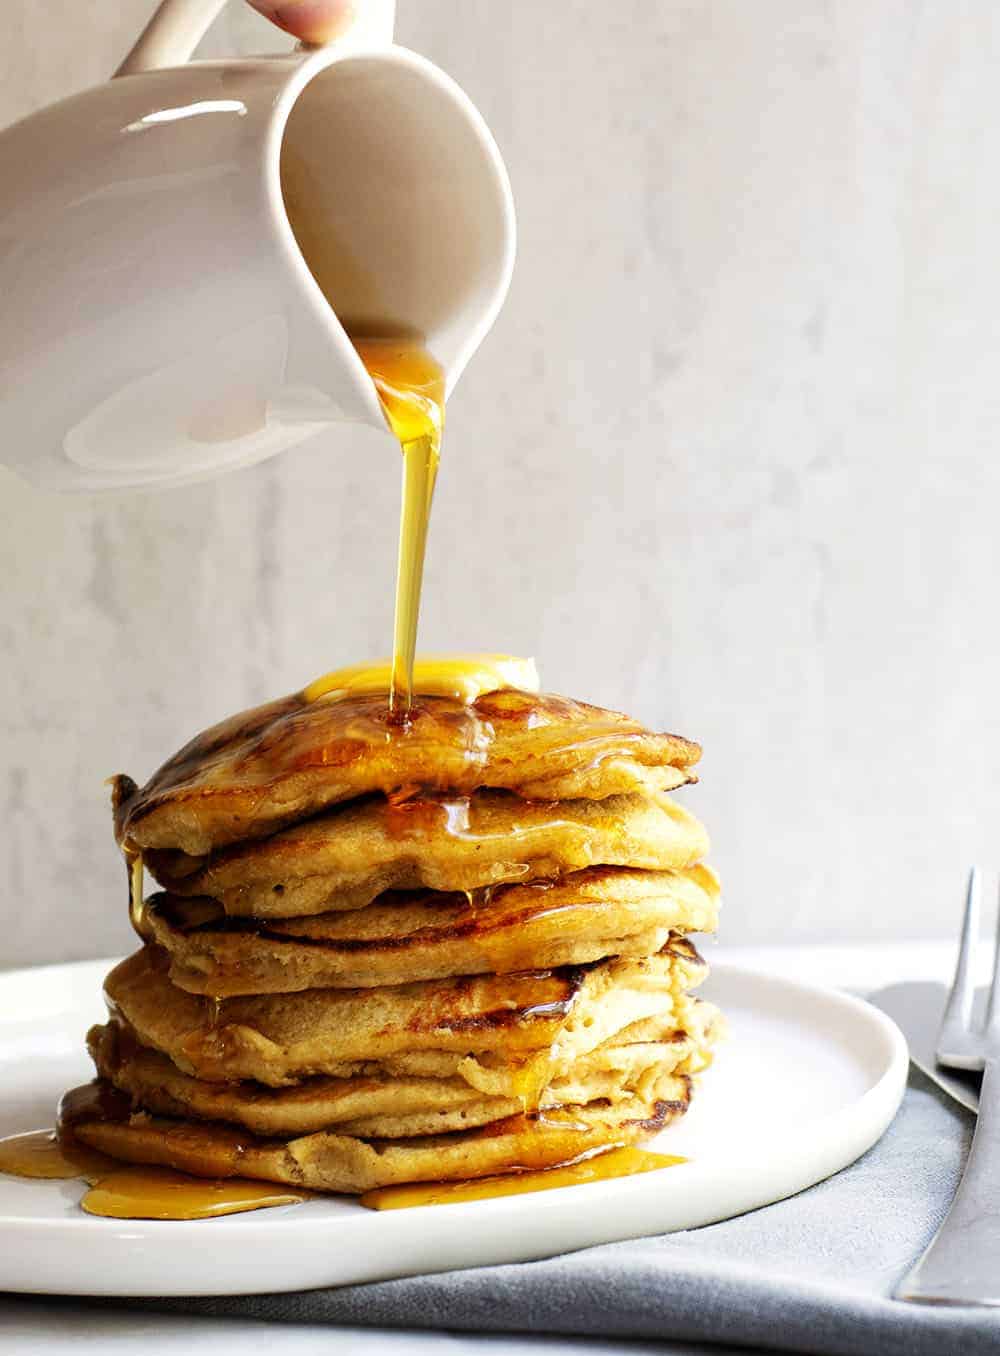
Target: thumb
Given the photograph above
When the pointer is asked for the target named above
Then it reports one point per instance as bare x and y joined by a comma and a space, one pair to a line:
312, 21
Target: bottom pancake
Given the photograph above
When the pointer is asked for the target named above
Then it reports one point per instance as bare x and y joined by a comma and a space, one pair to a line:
98, 1116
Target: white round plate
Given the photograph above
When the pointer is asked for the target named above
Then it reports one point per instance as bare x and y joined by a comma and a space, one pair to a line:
807, 1080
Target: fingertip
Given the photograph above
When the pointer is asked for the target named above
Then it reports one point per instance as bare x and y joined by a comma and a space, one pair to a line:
315, 22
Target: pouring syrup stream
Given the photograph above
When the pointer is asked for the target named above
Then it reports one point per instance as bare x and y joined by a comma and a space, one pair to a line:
410, 385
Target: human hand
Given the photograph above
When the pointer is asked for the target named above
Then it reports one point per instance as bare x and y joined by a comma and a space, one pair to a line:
311, 21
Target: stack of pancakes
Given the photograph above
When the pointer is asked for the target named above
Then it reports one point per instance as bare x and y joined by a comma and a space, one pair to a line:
393, 954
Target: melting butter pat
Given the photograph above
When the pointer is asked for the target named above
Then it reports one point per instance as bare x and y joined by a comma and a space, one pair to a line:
462, 676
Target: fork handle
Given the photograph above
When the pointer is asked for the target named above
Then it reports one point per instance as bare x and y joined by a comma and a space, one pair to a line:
962, 1263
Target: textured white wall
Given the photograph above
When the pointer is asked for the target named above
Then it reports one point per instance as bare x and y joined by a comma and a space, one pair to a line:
727, 460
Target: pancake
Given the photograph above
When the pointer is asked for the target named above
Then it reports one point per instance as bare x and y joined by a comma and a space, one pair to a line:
99, 1117
584, 916
348, 857
271, 766
521, 1077
389, 1107
277, 1039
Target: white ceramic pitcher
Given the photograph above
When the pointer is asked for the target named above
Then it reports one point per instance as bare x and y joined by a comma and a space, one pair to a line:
160, 322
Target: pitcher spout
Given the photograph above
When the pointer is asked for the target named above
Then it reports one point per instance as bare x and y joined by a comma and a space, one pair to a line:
186, 249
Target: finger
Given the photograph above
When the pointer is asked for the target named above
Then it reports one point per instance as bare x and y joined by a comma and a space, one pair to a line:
312, 21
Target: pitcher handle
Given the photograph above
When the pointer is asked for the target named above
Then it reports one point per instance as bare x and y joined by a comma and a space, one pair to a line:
171, 35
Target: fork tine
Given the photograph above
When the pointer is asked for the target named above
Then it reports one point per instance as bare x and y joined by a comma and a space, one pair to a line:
993, 1007
958, 1011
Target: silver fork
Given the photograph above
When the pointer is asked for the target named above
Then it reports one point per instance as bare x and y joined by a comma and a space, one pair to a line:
962, 1263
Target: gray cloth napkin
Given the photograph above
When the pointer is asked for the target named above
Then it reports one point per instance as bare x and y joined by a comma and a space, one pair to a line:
810, 1274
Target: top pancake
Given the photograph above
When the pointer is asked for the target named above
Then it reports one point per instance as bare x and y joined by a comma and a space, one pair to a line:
264, 769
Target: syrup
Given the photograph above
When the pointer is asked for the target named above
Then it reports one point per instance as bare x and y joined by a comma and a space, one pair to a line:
410, 385
529, 1080
601, 1167
41, 1154
409, 814
162, 1193
125, 1192
136, 893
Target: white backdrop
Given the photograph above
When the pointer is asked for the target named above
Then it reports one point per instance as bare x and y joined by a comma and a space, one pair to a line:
727, 460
